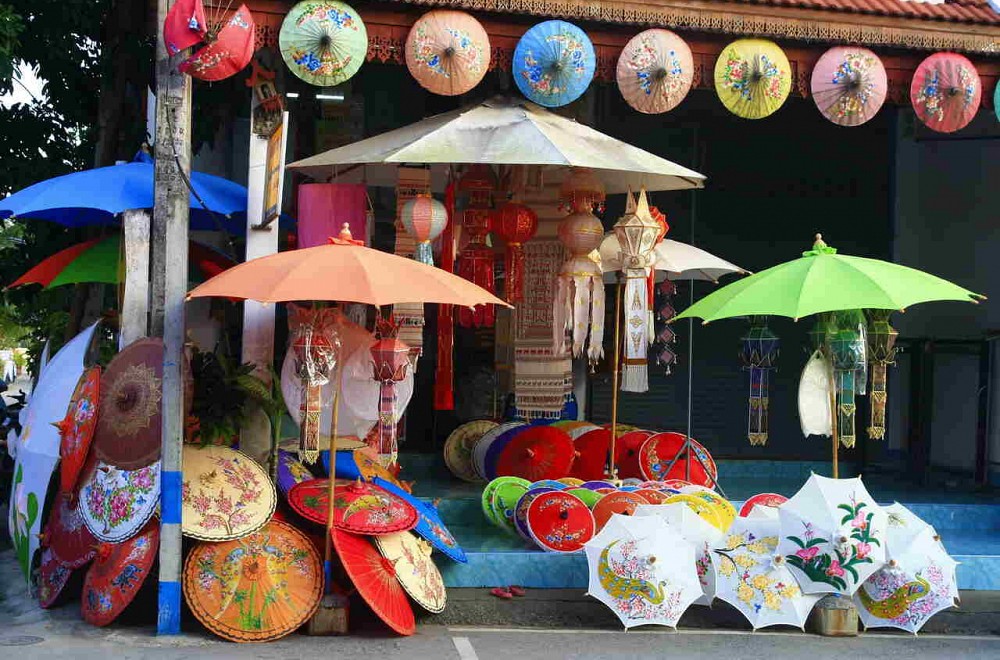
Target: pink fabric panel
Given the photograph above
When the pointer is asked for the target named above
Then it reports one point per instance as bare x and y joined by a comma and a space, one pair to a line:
324, 207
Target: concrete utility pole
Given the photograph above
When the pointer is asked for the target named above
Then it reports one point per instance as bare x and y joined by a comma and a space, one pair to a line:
169, 269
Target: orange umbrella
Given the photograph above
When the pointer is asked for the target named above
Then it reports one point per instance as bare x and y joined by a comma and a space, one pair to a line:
374, 577
447, 52
344, 272
256, 588
117, 574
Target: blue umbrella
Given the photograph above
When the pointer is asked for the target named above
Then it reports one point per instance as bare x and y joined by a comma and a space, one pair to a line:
96, 197
430, 526
554, 63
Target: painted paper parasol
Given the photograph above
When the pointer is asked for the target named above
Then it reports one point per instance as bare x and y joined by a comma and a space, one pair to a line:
752, 78
996, 101
560, 522
587, 496
482, 446
257, 588
495, 449
506, 492
521, 510
229, 46
946, 91
375, 579
184, 26
323, 42
554, 62
77, 429
655, 71
591, 454
128, 421
447, 52
619, 502
430, 526
117, 574
357, 507
412, 565
66, 535
660, 449
540, 452
849, 84
225, 494
627, 449
458, 448
116, 503
706, 510
357, 464
699, 533
772, 500
52, 578
291, 472
724, 509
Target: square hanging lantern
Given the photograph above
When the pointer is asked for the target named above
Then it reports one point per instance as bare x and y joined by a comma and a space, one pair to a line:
637, 232
391, 358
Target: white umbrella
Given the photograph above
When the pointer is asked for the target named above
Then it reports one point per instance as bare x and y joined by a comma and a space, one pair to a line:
917, 583
643, 570
695, 530
752, 577
677, 260
503, 131
37, 448
832, 535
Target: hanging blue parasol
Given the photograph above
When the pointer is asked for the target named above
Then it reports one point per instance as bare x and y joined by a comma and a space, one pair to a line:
554, 63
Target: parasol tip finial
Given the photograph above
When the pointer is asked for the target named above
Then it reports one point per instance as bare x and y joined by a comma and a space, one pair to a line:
345, 232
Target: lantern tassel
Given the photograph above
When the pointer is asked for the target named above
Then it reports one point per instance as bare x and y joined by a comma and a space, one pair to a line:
757, 431
595, 350
424, 253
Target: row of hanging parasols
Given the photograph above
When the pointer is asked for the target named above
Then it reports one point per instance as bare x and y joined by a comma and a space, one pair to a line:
448, 52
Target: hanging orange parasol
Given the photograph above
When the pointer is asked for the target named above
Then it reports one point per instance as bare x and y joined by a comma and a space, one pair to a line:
117, 574
77, 429
66, 534
358, 507
375, 579
128, 422
257, 588
447, 52
225, 494
412, 564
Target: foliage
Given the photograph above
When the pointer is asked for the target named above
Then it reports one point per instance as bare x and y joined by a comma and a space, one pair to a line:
223, 391
10, 27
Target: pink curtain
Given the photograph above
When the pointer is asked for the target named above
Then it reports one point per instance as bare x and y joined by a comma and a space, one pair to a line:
324, 207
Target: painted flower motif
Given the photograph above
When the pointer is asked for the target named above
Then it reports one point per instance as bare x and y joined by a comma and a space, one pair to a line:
807, 554
862, 550
835, 569
745, 593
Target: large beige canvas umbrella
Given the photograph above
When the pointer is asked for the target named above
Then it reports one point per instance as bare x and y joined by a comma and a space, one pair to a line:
504, 131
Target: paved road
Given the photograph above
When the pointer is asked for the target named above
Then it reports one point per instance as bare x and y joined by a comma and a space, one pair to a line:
73, 639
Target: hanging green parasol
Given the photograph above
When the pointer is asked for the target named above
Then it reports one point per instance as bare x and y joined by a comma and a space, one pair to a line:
324, 43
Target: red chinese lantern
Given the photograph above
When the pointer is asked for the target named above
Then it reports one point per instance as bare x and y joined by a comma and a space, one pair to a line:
391, 357
516, 224
475, 262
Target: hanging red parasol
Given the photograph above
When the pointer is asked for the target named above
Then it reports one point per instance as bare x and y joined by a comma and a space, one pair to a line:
618, 502
185, 25
52, 578
540, 452
128, 422
358, 507
229, 46
660, 449
117, 574
375, 579
77, 429
591, 455
627, 453
66, 534
560, 522
849, 85
946, 91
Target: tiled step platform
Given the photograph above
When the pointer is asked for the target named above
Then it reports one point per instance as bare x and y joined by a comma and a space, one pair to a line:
969, 523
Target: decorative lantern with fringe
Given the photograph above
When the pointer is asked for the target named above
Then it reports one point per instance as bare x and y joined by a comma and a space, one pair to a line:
390, 360
475, 262
424, 218
516, 224
759, 355
637, 233
579, 302
316, 348
881, 353
848, 352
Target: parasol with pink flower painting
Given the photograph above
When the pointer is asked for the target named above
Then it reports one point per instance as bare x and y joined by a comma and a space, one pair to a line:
833, 535
917, 582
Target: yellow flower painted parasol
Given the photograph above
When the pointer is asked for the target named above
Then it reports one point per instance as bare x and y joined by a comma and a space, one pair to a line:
752, 78
225, 494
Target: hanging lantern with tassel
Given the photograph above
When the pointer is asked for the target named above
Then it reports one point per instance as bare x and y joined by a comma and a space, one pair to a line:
475, 261
759, 355
316, 347
666, 355
390, 359
637, 233
516, 224
424, 218
579, 302
881, 353
847, 350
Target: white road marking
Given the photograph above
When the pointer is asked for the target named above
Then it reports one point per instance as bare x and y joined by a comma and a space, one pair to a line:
464, 648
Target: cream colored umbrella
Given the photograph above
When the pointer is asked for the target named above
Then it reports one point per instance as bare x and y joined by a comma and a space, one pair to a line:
673, 259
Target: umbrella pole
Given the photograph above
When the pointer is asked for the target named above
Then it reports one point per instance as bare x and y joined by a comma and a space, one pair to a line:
833, 419
328, 545
613, 472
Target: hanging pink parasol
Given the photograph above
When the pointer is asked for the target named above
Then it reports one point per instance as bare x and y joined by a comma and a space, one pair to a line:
229, 46
655, 71
946, 91
849, 85
447, 52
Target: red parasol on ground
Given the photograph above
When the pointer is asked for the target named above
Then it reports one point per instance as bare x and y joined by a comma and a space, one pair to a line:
627, 453
77, 429
358, 507
539, 452
52, 578
620, 502
660, 449
117, 574
591, 455
762, 499
230, 47
946, 91
128, 422
375, 579
66, 534
560, 522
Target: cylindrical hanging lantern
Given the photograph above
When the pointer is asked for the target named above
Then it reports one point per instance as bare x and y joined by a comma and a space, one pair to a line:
516, 224
390, 357
881, 353
424, 218
759, 355
847, 350
475, 262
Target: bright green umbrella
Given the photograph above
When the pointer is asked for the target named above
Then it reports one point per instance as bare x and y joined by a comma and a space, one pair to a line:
823, 281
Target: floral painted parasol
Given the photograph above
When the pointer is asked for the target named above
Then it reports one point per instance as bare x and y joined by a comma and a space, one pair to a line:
225, 494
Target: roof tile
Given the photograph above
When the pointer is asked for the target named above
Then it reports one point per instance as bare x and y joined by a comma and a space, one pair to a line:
964, 11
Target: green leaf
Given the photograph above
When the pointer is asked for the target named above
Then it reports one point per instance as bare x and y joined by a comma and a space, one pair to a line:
797, 541
815, 542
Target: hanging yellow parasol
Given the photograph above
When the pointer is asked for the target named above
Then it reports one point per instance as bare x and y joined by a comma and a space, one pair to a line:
752, 78
225, 494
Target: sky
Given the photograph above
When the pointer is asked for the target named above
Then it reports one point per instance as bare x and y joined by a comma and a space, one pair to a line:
30, 81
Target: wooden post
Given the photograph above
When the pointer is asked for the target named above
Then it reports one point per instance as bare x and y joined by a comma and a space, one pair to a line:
134, 320
170, 259
616, 366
